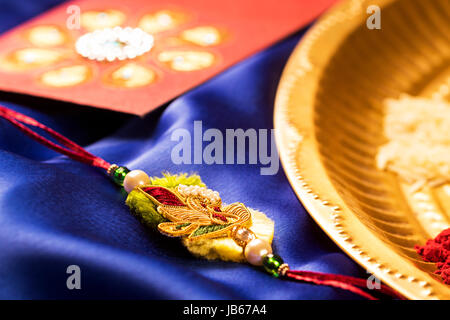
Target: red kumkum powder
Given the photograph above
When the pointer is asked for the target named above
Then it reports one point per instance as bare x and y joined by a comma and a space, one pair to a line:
438, 250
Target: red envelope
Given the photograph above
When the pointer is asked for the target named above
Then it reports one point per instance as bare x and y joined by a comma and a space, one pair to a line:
194, 40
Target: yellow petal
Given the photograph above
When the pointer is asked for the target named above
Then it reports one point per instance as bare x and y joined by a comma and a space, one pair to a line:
46, 36
66, 77
93, 20
186, 60
131, 75
29, 58
204, 36
161, 21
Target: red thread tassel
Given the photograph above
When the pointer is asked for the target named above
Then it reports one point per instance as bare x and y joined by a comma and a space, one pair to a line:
351, 284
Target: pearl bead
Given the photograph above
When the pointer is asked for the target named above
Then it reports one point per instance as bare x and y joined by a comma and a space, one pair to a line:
135, 178
255, 251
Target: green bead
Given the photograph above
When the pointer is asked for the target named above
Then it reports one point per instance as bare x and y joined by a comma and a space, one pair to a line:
271, 263
119, 175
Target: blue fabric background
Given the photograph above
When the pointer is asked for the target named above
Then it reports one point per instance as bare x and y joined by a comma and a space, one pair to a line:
55, 212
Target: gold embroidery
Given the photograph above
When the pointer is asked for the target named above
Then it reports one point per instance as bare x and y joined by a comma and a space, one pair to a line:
202, 215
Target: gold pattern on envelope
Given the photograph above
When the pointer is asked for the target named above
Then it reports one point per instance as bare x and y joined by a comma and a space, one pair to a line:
204, 36
30, 58
183, 51
162, 20
46, 36
131, 75
94, 20
187, 60
66, 76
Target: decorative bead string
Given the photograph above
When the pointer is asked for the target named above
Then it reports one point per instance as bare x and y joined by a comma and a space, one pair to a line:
114, 44
72, 150
272, 263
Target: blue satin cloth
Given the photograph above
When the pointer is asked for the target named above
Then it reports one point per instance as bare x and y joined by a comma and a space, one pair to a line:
55, 212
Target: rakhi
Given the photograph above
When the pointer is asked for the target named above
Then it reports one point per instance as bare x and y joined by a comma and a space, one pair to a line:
181, 206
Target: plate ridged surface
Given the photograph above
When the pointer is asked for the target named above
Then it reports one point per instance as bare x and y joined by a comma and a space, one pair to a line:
329, 121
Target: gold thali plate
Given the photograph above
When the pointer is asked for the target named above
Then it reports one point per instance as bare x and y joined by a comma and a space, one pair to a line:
329, 125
